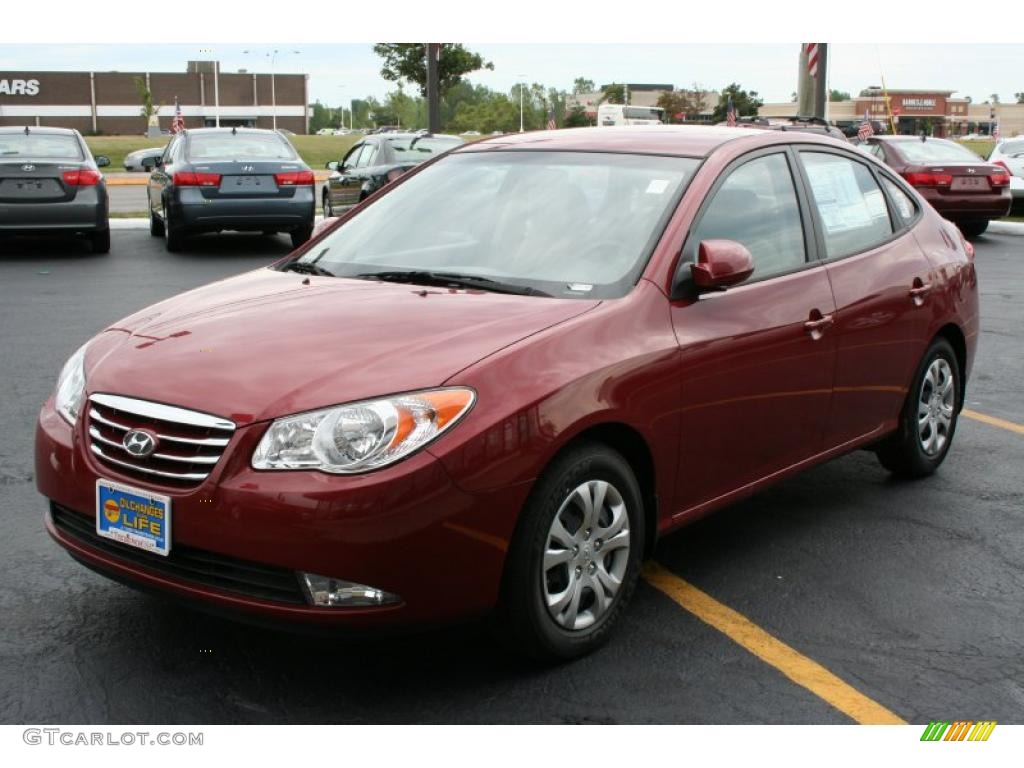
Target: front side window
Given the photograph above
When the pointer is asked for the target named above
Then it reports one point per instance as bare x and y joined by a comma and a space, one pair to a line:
367, 157
757, 206
240, 145
568, 224
850, 204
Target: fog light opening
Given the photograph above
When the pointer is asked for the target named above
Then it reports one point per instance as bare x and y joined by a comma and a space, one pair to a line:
327, 592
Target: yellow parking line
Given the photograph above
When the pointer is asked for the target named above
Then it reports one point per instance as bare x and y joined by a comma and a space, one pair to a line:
793, 664
993, 421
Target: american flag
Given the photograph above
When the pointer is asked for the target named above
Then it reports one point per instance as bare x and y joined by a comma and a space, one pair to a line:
866, 130
812, 58
178, 123
551, 120
730, 114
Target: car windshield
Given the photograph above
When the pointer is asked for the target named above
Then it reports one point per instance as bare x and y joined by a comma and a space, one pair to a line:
419, 148
1012, 148
935, 151
239, 146
40, 146
571, 224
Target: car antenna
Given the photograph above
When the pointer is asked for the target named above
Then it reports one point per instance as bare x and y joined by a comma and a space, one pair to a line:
234, 130
26, 130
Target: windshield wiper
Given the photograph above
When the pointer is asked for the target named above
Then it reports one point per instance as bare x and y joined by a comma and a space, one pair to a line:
305, 268
451, 279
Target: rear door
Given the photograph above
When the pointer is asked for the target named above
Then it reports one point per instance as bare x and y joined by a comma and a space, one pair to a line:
758, 358
880, 279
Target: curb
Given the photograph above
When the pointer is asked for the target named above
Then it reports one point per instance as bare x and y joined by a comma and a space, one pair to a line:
141, 222
1006, 228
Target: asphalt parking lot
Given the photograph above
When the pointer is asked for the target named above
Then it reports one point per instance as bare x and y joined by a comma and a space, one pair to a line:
908, 593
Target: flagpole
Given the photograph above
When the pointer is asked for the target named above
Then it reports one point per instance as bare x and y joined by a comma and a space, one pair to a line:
885, 93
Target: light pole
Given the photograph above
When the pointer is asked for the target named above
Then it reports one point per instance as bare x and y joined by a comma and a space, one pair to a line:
272, 55
216, 92
520, 76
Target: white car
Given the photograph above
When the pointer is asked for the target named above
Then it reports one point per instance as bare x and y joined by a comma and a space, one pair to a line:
1009, 153
341, 132
325, 132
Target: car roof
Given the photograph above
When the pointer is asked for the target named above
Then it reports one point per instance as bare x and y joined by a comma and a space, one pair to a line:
193, 131
37, 129
681, 140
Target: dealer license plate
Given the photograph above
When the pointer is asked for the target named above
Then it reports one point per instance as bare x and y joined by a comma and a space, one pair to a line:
133, 516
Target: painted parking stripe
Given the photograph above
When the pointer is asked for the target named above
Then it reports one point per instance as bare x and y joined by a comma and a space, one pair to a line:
993, 421
790, 662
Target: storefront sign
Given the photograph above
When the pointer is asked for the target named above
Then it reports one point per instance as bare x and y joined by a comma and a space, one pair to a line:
19, 87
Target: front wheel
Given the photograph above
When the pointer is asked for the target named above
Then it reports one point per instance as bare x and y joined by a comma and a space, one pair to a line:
575, 556
328, 208
929, 416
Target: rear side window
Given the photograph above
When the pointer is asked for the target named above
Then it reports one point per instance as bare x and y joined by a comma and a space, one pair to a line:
757, 206
905, 208
239, 146
40, 146
1012, 148
850, 204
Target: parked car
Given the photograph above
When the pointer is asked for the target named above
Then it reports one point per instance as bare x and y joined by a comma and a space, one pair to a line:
960, 185
142, 159
1009, 155
326, 132
797, 123
495, 385
470, 133
376, 161
216, 179
51, 184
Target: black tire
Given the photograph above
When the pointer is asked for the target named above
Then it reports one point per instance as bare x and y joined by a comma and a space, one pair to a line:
328, 208
301, 235
174, 238
903, 453
973, 228
522, 621
156, 226
100, 241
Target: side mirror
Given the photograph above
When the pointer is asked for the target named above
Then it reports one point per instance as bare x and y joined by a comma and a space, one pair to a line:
332, 165
102, 161
721, 263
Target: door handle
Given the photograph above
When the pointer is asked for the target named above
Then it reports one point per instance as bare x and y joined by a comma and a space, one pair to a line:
919, 291
817, 326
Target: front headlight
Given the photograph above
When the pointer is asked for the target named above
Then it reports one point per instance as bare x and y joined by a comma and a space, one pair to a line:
71, 386
361, 436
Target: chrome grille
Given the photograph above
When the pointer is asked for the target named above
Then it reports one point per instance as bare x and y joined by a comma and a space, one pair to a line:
188, 443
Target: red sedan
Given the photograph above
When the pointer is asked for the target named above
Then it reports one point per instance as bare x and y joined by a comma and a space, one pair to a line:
489, 388
959, 184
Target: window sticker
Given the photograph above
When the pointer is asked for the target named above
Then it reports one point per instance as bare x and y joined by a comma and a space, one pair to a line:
840, 201
657, 186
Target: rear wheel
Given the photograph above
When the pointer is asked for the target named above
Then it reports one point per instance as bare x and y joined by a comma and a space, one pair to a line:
301, 235
328, 209
100, 241
173, 236
929, 416
973, 228
575, 556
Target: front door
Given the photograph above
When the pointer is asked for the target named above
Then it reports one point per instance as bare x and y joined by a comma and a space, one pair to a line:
758, 358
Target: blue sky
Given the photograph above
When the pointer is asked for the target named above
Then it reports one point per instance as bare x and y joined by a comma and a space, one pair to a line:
351, 70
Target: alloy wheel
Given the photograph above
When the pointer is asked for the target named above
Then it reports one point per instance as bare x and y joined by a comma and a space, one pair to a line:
586, 555
935, 406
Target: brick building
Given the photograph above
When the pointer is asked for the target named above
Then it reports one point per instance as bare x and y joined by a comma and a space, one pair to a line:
109, 102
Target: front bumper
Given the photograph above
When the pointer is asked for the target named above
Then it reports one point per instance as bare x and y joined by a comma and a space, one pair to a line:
87, 212
406, 529
197, 213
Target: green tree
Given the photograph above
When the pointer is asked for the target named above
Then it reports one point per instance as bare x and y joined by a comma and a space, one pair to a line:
994, 98
582, 85
1019, 97
614, 94
323, 117
145, 97
834, 95
577, 118
408, 62
745, 102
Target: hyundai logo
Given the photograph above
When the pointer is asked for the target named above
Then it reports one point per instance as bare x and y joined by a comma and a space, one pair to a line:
28, 168
139, 443
248, 168
971, 170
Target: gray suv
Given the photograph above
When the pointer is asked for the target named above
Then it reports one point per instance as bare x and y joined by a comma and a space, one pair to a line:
50, 184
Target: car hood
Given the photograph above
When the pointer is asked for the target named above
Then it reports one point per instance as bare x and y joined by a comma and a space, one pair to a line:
268, 343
